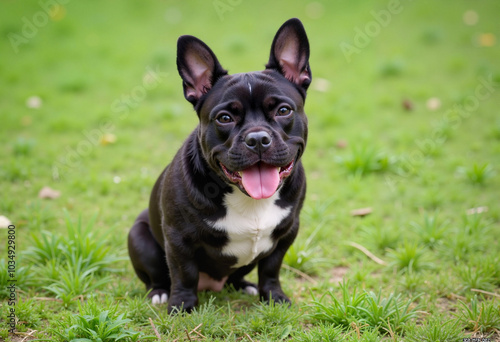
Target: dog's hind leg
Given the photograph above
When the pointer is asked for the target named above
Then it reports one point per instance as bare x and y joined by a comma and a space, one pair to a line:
240, 284
148, 259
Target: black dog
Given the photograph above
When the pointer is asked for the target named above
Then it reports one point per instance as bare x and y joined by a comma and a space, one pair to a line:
230, 199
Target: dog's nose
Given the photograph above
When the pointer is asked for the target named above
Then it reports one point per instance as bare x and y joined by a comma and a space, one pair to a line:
258, 141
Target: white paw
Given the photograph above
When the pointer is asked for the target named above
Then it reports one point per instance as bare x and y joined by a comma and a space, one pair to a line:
164, 298
251, 290
157, 299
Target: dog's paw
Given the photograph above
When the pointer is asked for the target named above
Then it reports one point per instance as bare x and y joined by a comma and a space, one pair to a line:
159, 299
158, 296
251, 290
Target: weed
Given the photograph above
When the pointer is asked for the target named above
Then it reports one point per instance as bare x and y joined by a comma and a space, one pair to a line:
75, 278
479, 316
366, 309
23, 277
466, 240
138, 308
95, 324
271, 318
477, 174
339, 312
431, 231
365, 159
303, 254
410, 280
27, 313
434, 329
390, 314
381, 237
80, 244
393, 67
324, 331
23, 147
475, 278
207, 320
409, 255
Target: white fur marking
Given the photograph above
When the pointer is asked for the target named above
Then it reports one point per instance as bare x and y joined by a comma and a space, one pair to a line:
251, 290
164, 298
249, 87
249, 224
156, 299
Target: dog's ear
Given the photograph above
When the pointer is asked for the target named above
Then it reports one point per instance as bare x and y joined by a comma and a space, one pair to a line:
290, 53
197, 66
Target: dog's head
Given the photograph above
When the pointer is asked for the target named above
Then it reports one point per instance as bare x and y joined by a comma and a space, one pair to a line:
253, 128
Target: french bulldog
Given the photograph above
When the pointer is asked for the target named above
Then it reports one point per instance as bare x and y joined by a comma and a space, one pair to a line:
230, 199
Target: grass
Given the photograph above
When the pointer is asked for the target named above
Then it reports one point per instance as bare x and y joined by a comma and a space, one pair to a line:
92, 106
364, 309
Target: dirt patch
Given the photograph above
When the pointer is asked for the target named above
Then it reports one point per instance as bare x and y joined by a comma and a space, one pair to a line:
337, 274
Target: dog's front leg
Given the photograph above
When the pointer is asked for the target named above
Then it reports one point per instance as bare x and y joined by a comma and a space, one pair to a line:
184, 275
269, 270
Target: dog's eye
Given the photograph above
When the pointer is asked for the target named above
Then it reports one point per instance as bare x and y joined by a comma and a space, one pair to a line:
224, 118
284, 111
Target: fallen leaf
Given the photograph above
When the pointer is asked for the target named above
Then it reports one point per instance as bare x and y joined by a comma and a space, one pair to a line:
4, 222
487, 39
478, 210
433, 103
107, 138
470, 18
341, 144
34, 102
321, 85
408, 105
361, 212
49, 193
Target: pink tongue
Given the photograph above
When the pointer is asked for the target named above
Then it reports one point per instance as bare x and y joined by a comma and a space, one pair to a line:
261, 180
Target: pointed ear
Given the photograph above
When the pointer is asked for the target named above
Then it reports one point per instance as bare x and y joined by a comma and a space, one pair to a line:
197, 66
290, 53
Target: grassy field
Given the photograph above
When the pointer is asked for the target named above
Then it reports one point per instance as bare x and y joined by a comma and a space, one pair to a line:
403, 122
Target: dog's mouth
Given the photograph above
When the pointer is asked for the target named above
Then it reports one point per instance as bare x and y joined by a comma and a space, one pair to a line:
260, 180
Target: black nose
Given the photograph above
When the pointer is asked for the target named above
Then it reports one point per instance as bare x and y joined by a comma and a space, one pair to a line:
258, 141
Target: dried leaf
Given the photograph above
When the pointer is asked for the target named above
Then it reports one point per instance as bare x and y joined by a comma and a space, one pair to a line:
321, 85
341, 144
107, 138
34, 102
433, 103
407, 104
49, 193
4, 222
478, 210
361, 212
487, 39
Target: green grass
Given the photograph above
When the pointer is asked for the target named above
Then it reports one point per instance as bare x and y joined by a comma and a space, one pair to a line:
91, 105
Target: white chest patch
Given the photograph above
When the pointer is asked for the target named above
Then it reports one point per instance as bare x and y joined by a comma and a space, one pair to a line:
249, 224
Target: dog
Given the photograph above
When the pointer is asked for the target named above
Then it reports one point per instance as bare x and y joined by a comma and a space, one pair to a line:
230, 199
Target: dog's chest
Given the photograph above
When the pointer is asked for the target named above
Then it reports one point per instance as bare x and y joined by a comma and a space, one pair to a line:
249, 224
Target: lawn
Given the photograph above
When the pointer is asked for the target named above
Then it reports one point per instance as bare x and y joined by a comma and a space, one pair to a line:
400, 230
